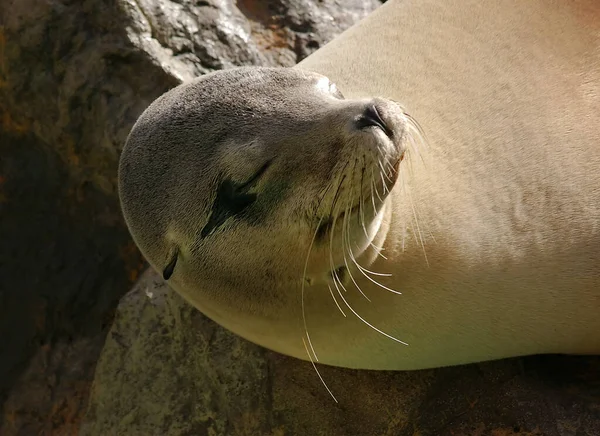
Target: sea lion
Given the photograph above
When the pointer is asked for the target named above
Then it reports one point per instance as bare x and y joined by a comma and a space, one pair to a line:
325, 226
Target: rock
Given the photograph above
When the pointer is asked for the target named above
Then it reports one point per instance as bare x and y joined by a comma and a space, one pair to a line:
168, 370
74, 77
65, 261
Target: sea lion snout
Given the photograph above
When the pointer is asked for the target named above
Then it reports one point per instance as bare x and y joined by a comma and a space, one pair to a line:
371, 117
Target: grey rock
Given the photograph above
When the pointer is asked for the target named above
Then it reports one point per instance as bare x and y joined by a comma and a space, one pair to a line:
78, 73
166, 369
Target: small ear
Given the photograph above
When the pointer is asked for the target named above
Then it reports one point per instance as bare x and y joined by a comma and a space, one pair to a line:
168, 271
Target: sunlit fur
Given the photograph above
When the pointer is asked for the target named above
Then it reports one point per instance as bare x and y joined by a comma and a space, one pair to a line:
483, 243
494, 240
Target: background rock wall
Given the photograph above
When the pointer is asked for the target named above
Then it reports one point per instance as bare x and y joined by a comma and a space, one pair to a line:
74, 76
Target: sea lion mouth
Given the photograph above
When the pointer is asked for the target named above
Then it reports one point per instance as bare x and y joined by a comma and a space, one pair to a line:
394, 172
327, 222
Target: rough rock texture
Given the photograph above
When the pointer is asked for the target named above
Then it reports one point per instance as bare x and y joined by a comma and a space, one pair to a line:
168, 370
74, 76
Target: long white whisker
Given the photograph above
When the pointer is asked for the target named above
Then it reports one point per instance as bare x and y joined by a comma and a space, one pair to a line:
384, 172
302, 286
346, 239
336, 280
361, 205
318, 373
311, 345
310, 357
334, 299
368, 324
376, 192
417, 226
383, 184
361, 213
417, 136
368, 271
331, 262
378, 250
362, 270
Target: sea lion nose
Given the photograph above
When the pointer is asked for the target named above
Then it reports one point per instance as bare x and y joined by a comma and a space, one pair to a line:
371, 118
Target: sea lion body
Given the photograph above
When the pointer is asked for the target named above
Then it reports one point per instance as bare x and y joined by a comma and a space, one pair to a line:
491, 233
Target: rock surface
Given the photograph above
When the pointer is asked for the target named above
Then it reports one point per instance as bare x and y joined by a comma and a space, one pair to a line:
74, 76
168, 370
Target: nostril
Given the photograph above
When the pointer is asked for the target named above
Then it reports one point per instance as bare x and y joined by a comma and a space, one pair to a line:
371, 118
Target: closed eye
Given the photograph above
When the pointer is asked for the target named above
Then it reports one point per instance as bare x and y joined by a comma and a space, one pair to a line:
255, 178
231, 200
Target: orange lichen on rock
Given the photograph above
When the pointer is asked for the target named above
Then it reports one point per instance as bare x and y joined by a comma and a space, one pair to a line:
10, 125
134, 263
70, 154
268, 30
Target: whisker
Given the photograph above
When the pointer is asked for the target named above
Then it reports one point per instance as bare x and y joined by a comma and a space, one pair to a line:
362, 270
378, 251
311, 346
361, 204
384, 172
310, 357
335, 278
361, 213
376, 192
346, 238
302, 286
318, 373
373, 196
417, 135
416, 128
368, 324
331, 263
412, 205
335, 198
383, 184
334, 299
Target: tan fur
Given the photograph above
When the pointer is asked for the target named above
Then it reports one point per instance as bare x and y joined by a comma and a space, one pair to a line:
493, 239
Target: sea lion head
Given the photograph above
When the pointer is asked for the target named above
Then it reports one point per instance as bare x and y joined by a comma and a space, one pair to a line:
228, 182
